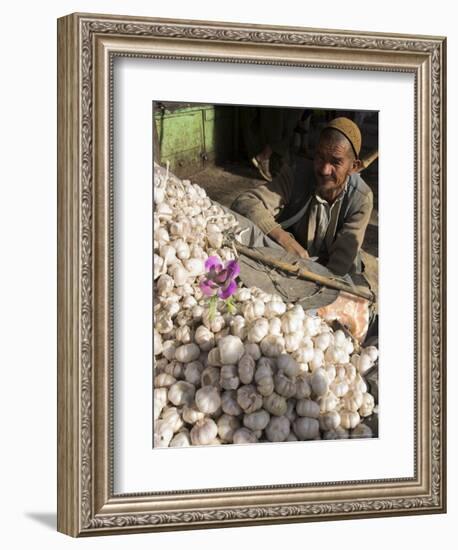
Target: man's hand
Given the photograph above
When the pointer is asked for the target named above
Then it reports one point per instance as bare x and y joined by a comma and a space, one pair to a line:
288, 242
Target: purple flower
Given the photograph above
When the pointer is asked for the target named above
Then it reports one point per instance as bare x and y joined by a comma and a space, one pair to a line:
219, 279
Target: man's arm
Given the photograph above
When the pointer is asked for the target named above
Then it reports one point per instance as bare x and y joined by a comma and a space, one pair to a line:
350, 238
262, 204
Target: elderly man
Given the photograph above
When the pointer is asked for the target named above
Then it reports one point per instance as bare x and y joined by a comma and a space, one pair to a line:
321, 208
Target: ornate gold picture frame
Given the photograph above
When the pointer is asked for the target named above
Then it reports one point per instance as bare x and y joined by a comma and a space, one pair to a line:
87, 47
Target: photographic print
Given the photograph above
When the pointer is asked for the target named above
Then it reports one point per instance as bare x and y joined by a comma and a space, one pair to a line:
265, 274
225, 192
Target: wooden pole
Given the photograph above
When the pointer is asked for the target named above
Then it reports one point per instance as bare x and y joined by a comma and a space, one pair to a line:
304, 273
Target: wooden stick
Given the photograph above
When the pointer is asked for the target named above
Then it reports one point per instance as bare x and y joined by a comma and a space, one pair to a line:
304, 273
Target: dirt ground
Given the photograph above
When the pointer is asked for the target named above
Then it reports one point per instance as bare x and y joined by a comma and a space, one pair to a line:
224, 183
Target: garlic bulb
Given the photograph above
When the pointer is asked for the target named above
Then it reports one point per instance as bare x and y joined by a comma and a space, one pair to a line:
191, 414
259, 329
204, 338
157, 343
253, 310
249, 399
207, 399
246, 367
353, 400
172, 418
337, 433
181, 439
210, 377
204, 432
181, 393
193, 373
319, 382
272, 345
274, 308
243, 436
339, 387
229, 379
329, 420
288, 365
306, 428
303, 388
187, 353
328, 402
257, 420
284, 385
349, 419
163, 434
227, 426
229, 403
275, 404
361, 431
367, 405
231, 349
278, 429
164, 380
307, 407
159, 401
253, 350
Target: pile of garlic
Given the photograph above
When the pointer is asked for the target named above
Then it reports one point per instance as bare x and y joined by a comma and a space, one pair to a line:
270, 372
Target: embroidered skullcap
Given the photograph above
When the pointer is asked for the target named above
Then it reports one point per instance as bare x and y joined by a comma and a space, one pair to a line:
349, 129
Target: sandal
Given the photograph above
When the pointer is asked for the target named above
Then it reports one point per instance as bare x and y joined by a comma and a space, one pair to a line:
262, 167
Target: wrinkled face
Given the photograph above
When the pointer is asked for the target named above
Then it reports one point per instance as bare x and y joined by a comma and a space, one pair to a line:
333, 163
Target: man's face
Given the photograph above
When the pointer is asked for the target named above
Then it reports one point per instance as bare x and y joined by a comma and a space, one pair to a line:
333, 163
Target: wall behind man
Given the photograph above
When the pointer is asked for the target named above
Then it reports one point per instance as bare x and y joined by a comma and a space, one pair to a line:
28, 273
